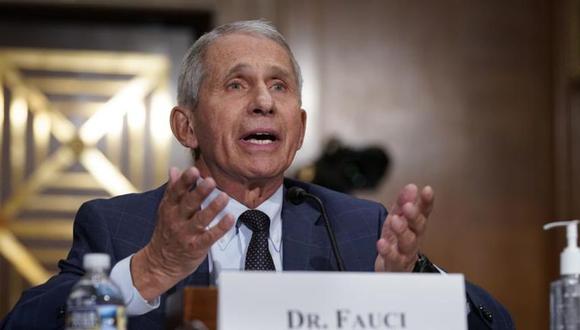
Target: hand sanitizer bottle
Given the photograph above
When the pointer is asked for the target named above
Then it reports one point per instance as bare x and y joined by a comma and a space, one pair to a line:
565, 292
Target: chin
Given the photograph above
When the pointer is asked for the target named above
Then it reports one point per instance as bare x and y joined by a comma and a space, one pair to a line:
261, 173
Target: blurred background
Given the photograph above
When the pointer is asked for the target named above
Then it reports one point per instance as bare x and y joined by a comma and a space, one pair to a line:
480, 99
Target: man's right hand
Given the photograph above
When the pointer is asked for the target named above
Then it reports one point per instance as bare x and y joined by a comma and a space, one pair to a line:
181, 239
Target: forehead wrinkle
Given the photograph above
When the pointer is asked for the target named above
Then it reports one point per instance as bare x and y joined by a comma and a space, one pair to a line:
224, 50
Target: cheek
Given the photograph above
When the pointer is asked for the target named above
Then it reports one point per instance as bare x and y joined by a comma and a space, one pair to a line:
207, 122
297, 128
218, 132
212, 134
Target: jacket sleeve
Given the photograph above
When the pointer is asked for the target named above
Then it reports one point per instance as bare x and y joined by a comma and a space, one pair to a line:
43, 307
485, 312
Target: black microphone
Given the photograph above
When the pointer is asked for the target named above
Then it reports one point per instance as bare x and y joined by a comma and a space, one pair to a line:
297, 195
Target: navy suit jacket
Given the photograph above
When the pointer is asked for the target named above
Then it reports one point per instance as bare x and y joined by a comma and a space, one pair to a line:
122, 225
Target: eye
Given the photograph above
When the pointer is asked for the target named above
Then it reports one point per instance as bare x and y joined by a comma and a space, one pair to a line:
279, 86
234, 85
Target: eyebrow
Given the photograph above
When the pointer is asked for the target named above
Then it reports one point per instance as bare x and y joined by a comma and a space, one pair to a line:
281, 72
236, 69
275, 70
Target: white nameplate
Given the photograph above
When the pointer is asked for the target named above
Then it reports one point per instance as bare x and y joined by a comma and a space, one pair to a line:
331, 300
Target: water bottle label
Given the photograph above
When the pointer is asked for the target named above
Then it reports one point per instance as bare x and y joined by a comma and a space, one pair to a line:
102, 317
81, 318
112, 317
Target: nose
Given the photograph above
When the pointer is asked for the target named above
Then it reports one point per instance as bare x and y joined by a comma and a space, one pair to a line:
263, 103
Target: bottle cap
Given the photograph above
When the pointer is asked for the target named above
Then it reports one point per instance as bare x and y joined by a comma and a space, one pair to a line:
570, 256
96, 261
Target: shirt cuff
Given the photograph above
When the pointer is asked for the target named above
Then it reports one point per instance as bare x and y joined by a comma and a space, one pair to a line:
135, 304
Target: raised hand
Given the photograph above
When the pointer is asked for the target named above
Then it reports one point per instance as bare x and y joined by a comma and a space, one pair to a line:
181, 239
404, 230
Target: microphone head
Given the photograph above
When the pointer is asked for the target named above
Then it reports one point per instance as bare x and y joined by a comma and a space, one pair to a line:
296, 195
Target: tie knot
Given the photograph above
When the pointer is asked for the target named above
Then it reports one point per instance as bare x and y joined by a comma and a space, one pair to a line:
256, 220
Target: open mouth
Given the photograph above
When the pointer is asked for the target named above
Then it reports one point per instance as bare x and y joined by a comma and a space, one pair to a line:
261, 138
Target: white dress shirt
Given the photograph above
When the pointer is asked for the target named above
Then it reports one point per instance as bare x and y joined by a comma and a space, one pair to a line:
227, 254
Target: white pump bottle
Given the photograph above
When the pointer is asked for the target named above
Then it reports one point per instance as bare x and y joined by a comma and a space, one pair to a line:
565, 292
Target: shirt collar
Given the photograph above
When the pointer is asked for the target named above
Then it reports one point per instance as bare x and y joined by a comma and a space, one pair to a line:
271, 206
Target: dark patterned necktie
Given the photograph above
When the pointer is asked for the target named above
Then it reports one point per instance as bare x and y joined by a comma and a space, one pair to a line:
258, 256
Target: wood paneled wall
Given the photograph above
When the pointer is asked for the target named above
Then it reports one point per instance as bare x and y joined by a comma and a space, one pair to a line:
461, 94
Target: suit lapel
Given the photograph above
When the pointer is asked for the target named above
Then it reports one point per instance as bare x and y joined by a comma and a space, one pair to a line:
301, 231
298, 224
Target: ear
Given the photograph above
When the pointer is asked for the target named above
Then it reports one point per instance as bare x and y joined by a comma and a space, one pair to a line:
182, 127
303, 128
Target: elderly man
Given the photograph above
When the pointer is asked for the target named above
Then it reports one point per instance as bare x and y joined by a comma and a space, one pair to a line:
239, 110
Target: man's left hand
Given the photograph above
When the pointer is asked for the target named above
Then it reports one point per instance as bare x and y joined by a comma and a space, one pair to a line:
404, 230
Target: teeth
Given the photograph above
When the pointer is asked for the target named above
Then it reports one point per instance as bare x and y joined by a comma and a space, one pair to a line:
256, 141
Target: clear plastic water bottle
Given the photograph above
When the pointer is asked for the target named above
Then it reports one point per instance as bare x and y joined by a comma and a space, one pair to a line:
95, 302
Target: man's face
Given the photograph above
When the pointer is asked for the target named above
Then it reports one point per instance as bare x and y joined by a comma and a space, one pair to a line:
248, 122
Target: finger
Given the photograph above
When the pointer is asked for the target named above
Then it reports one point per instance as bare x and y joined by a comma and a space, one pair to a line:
392, 223
415, 219
423, 209
405, 238
206, 216
191, 202
418, 226
174, 174
407, 195
382, 246
389, 253
393, 259
407, 242
187, 179
216, 232
398, 225
179, 186
410, 211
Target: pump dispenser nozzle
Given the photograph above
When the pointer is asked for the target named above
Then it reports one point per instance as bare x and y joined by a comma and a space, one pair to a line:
570, 256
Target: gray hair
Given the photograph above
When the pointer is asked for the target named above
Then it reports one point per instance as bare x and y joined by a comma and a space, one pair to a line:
193, 69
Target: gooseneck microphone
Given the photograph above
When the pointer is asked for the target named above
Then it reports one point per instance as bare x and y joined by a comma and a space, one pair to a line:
297, 195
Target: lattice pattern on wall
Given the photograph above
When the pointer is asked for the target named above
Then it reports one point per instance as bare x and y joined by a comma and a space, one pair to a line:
74, 125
